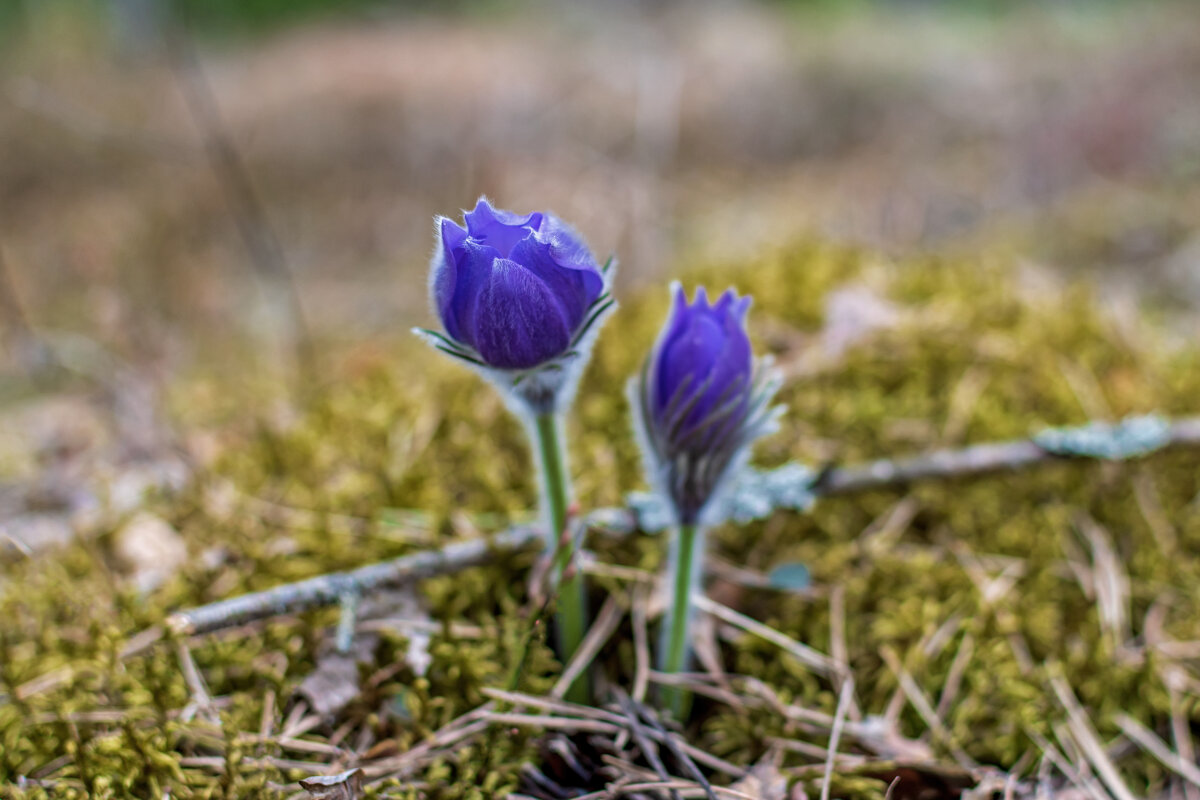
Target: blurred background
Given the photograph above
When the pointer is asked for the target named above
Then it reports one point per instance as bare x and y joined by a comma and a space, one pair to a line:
190, 186
216, 218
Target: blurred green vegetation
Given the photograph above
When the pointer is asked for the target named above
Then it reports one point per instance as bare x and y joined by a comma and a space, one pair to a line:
225, 17
221, 17
257, 15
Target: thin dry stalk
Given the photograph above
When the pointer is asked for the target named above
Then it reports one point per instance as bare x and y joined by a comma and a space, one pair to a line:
598, 634
672, 743
838, 650
686, 789
816, 661
839, 719
1089, 742
267, 721
573, 710
217, 764
1110, 582
837, 628
292, 723
641, 645
551, 723
1156, 747
465, 727
694, 682
881, 535
201, 699
933, 644
958, 668
601, 569
916, 697
1052, 755
554, 706
1180, 728
638, 733
817, 753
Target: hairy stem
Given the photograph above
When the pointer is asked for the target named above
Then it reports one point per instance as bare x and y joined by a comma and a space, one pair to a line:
674, 646
571, 615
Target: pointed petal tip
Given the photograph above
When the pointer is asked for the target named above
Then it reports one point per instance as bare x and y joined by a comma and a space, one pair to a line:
500, 228
732, 306
741, 306
449, 230
481, 215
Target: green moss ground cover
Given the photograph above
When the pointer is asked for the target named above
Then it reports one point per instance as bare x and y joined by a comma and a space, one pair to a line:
1017, 566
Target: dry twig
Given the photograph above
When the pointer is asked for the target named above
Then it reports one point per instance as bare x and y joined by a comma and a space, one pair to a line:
598, 634
329, 589
844, 697
1145, 738
1089, 742
816, 661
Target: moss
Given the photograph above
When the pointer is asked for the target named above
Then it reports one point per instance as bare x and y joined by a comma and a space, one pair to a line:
381, 443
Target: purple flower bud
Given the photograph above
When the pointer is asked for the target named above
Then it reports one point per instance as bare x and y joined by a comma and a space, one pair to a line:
702, 371
513, 291
700, 402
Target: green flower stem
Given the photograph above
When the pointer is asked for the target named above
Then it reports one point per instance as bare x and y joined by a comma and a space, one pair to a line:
571, 614
675, 645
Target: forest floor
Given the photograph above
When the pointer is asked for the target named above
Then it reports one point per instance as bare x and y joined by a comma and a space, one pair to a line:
956, 230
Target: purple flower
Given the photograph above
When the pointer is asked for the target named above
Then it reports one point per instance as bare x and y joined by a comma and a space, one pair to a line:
700, 401
514, 292
702, 371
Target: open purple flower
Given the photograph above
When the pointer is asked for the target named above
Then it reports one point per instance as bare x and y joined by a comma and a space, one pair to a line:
700, 401
517, 295
514, 288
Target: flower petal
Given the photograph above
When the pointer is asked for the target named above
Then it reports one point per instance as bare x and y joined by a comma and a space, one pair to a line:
444, 272
576, 286
498, 228
688, 360
519, 322
730, 306
473, 263
733, 373
677, 325
567, 247
679, 315
732, 380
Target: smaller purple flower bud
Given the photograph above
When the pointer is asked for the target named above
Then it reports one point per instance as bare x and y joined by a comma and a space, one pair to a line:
700, 401
519, 296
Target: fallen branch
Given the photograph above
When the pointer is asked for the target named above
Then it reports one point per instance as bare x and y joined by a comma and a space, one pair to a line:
329, 589
971, 461
757, 494
981, 459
